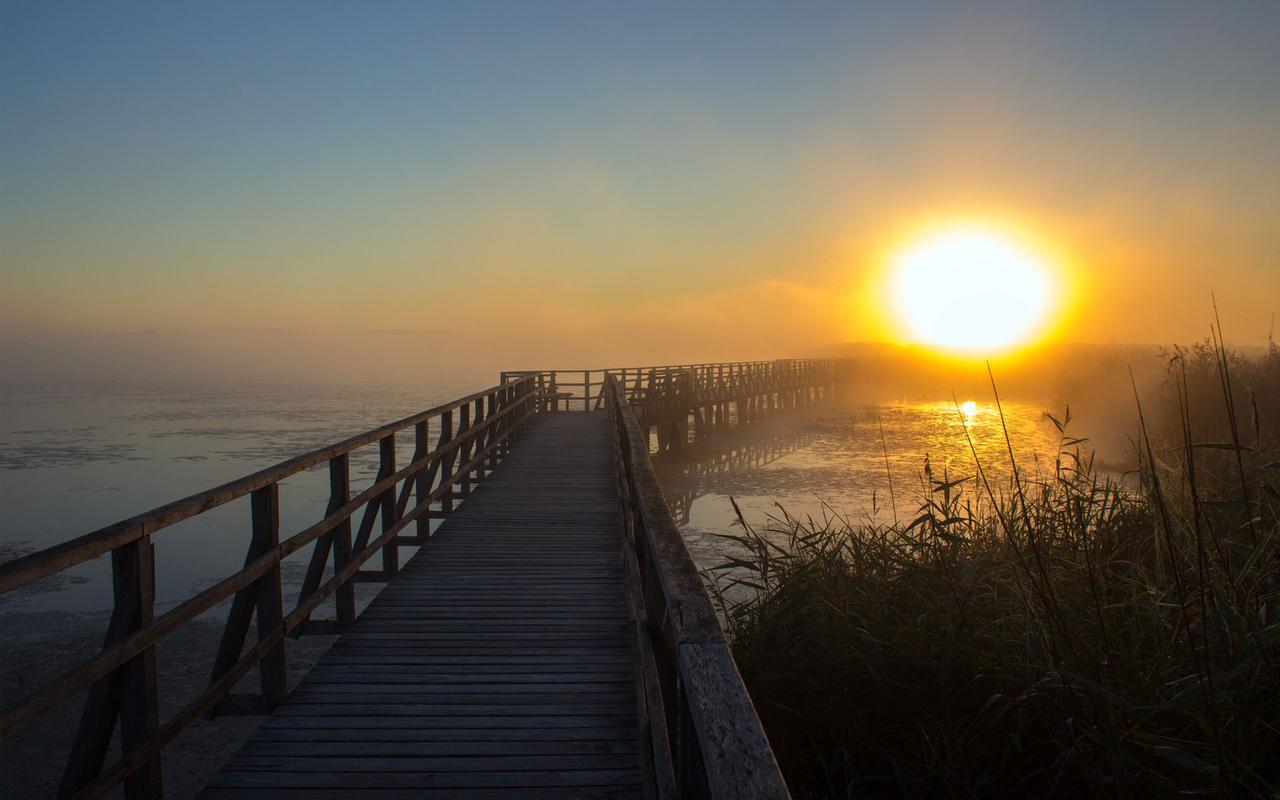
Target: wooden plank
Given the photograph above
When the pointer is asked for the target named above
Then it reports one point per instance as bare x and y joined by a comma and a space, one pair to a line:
500, 654
241, 583
531, 744
355, 706
718, 745
476, 673
517, 692
355, 721
451, 793
455, 739
510, 780
456, 764
548, 520
733, 748
537, 526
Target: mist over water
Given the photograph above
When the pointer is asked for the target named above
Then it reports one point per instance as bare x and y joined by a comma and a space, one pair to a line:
78, 455
94, 435
860, 462
77, 458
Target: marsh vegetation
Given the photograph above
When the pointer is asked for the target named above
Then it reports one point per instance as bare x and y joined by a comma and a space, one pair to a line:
1059, 632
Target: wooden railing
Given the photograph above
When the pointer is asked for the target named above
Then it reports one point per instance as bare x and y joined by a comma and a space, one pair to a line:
669, 400
472, 435
584, 389
705, 739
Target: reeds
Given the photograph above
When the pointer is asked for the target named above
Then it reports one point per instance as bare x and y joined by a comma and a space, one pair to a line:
1050, 636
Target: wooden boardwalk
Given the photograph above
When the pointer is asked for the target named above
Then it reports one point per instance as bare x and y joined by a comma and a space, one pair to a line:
498, 663
552, 638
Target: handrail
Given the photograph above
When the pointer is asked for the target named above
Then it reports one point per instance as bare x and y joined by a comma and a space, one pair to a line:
705, 732
26, 569
653, 388
121, 678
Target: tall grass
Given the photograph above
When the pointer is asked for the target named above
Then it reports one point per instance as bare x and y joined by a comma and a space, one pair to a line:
1038, 635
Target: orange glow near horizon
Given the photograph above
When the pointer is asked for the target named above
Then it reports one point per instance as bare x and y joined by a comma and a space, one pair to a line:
972, 289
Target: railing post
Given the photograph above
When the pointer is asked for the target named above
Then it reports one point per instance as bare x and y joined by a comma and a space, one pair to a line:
129, 693
262, 538
421, 481
479, 440
492, 430
265, 513
512, 403
339, 493
536, 403
464, 451
447, 465
390, 511
522, 397
447, 461
140, 706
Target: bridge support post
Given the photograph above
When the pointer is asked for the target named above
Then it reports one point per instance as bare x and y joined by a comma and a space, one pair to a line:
339, 493
129, 693
446, 466
390, 511
421, 483
464, 474
490, 436
265, 508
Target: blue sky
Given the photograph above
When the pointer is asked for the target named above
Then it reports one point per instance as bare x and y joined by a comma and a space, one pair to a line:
157, 153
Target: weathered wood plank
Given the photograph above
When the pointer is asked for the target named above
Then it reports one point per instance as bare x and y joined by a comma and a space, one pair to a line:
545, 521
531, 744
355, 720
510, 780
451, 793
499, 656
465, 763
352, 738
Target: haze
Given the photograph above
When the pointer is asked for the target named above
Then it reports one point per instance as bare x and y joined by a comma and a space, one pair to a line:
577, 184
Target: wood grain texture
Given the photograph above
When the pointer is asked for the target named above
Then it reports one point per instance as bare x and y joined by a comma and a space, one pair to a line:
520, 615
717, 745
497, 663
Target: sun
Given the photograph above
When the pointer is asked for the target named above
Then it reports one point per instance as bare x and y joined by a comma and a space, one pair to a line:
971, 289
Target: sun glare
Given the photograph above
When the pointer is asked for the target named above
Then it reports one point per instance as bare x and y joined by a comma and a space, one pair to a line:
970, 289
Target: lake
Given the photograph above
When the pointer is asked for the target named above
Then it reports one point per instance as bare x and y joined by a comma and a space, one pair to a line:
74, 460
859, 462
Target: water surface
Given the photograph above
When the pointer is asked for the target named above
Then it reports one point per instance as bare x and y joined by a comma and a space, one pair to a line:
75, 460
860, 462
72, 461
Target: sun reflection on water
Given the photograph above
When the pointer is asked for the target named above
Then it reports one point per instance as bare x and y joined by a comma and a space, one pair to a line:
842, 461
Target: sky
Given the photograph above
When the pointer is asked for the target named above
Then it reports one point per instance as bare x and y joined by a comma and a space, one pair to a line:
650, 181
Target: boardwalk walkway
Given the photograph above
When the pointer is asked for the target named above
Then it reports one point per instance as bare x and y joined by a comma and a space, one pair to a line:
498, 663
552, 638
